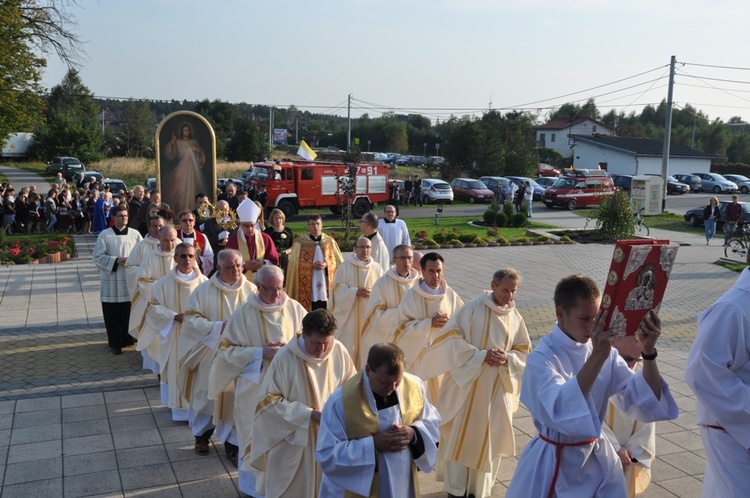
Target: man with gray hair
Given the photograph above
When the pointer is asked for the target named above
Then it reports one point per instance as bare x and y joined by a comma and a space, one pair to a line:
380, 253
253, 335
210, 306
352, 284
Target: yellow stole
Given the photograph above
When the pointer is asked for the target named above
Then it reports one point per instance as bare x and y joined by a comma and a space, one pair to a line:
260, 250
362, 421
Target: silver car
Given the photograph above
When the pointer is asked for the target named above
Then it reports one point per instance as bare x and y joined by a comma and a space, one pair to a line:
742, 182
714, 182
434, 190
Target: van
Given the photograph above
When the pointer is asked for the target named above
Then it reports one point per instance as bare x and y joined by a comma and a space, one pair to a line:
579, 188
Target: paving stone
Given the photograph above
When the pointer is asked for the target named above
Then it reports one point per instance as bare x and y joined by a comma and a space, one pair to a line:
89, 462
92, 484
49, 468
4, 438
137, 438
34, 451
128, 409
87, 444
169, 491
84, 413
86, 428
79, 400
147, 476
6, 421
125, 396
34, 419
47, 487
36, 434
38, 404
7, 407
684, 487
182, 451
135, 457
217, 487
204, 468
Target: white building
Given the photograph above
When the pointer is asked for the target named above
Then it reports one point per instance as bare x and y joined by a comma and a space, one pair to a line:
556, 134
636, 156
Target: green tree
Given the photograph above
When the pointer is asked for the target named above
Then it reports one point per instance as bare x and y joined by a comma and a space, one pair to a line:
137, 134
247, 142
222, 116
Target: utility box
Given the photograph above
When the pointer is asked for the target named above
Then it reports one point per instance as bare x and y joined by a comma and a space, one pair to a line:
647, 192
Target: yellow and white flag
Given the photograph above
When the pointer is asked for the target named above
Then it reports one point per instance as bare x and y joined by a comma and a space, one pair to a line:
306, 152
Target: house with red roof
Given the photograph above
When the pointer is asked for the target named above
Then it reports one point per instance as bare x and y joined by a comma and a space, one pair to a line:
556, 134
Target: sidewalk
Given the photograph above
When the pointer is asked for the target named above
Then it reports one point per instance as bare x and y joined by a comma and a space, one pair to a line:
91, 422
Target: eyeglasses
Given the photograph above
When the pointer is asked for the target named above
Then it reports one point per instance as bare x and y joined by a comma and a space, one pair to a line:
186, 256
270, 290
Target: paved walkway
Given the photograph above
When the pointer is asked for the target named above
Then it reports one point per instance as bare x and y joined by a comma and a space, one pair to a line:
91, 422
20, 178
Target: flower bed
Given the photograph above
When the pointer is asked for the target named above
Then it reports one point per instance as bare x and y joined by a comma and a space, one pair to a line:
36, 249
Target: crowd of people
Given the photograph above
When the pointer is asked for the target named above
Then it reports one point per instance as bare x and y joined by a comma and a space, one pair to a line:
326, 375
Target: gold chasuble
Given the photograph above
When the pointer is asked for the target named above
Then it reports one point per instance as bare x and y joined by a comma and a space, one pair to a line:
260, 250
154, 266
362, 421
284, 436
299, 273
211, 305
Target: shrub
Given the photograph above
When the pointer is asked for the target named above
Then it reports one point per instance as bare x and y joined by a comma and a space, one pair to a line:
494, 205
508, 209
502, 240
614, 218
492, 232
501, 219
455, 242
440, 236
522, 239
478, 239
565, 238
518, 219
466, 237
429, 242
543, 238
489, 217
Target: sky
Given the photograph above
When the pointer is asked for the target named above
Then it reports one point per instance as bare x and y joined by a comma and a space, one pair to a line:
432, 57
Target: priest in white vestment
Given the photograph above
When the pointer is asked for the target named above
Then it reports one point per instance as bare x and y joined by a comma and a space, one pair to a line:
145, 247
382, 307
634, 441
393, 230
153, 267
718, 372
301, 378
352, 284
163, 320
482, 349
110, 253
380, 252
254, 334
376, 431
210, 306
425, 309
567, 385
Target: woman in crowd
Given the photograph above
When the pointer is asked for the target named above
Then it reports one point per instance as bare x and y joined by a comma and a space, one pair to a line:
77, 208
281, 235
35, 219
711, 215
9, 211
50, 210
91, 197
22, 211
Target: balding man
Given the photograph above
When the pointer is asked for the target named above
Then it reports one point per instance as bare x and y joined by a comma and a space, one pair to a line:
380, 253
253, 335
134, 206
352, 284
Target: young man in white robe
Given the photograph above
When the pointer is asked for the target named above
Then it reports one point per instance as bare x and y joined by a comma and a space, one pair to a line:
210, 306
634, 441
153, 267
377, 430
718, 372
393, 230
163, 320
300, 379
382, 307
567, 384
142, 249
379, 253
425, 309
350, 291
254, 334
110, 254
483, 347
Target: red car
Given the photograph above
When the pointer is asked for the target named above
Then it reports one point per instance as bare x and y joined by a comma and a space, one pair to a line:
547, 170
469, 189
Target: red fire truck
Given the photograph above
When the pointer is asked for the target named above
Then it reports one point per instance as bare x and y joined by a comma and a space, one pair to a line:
293, 185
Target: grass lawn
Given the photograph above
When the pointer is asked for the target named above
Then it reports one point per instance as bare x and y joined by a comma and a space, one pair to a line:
738, 267
663, 221
38, 168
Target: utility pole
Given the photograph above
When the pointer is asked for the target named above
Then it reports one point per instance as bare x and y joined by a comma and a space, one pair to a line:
296, 130
349, 119
270, 129
667, 136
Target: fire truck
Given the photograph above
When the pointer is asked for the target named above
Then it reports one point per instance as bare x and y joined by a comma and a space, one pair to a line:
294, 185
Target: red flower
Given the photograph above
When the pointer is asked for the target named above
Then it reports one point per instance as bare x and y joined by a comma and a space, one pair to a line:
30, 250
14, 251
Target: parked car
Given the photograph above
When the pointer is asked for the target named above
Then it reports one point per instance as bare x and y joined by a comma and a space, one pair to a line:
520, 180
392, 158
150, 184
417, 161
714, 182
547, 170
693, 181
222, 182
546, 181
88, 174
115, 186
674, 186
435, 160
434, 190
469, 189
581, 188
694, 216
402, 161
622, 181
68, 166
742, 182
497, 184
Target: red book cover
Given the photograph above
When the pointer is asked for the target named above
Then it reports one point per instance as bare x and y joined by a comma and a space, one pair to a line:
636, 282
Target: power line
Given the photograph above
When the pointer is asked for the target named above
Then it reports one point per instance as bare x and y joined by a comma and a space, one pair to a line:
712, 85
714, 66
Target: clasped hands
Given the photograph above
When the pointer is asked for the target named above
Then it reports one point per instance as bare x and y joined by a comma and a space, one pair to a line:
395, 438
270, 350
496, 357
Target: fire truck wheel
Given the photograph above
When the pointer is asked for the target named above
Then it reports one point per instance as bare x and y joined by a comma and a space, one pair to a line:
361, 207
287, 207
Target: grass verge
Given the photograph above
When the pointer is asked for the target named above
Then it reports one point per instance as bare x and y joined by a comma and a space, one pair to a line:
738, 267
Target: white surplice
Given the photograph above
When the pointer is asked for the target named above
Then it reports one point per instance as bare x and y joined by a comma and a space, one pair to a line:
135, 258
561, 413
718, 371
394, 234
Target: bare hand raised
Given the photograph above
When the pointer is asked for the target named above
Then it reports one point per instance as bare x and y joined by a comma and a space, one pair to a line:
270, 350
649, 330
601, 339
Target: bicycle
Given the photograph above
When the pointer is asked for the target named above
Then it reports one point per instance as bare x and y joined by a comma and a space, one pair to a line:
640, 225
739, 243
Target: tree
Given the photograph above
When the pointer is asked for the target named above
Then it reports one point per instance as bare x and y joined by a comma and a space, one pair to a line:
137, 128
28, 27
247, 142
222, 116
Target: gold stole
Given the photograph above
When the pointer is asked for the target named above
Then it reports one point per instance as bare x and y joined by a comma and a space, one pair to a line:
362, 421
305, 269
260, 250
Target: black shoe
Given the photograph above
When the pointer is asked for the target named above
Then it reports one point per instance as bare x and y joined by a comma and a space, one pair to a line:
116, 350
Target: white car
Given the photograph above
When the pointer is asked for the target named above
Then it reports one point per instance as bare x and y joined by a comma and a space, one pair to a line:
434, 190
